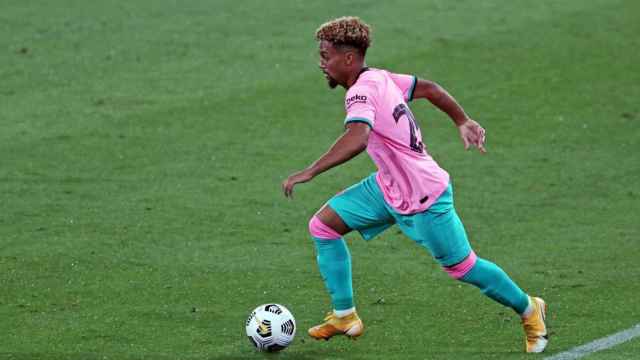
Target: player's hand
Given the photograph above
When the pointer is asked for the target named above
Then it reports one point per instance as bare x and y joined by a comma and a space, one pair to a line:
472, 134
293, 179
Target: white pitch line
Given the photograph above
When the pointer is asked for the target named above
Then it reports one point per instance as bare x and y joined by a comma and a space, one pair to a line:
597, 345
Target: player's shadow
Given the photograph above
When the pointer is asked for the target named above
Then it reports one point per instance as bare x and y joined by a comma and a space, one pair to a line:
315, 354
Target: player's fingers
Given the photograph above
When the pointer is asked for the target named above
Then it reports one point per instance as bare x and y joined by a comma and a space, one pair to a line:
465, 142
481, 143
286, 188
290, 190
474, 140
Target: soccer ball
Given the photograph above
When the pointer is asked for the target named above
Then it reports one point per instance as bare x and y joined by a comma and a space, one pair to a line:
271, 327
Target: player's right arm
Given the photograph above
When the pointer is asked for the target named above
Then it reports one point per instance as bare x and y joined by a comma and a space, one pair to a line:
351, 143
360, 120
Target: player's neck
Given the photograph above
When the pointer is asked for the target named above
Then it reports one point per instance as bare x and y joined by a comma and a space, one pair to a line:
355, 75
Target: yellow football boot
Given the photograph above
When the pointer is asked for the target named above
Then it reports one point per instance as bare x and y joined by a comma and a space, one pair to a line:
535, 328
350, 325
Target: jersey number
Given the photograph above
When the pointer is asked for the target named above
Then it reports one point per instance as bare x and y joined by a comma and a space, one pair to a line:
414, 144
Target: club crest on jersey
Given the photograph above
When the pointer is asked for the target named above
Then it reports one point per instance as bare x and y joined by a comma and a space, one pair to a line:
356, 99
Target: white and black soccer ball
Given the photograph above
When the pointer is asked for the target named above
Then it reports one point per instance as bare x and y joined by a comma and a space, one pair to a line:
271, 327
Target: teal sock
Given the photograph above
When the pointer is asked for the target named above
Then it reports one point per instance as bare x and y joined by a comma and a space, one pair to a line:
497, 285
334, 262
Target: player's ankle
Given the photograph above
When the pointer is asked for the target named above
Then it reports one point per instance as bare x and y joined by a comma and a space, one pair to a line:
343, 313
529, 310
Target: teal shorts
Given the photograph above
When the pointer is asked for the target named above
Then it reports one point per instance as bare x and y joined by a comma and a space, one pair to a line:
362, 207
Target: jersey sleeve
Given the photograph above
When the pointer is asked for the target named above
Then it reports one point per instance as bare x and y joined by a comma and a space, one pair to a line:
359, 105
406, 83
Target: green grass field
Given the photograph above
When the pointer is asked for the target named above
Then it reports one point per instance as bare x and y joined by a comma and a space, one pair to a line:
143, 145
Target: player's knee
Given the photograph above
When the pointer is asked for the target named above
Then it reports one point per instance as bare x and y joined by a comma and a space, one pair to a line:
460, 269
319, 230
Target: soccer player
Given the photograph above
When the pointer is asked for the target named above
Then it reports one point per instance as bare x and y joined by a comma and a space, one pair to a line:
409, 189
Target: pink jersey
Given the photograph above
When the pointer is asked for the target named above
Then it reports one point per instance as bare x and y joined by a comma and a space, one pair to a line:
407, 175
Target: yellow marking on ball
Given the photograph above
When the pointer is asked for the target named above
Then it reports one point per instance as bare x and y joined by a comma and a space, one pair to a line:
263, 327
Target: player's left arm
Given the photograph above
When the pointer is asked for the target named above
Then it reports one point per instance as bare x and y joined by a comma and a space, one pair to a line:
471, 133
351, 143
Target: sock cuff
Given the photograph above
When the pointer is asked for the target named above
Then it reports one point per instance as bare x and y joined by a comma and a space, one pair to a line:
319, 230
459, 270
345, 312
528, 310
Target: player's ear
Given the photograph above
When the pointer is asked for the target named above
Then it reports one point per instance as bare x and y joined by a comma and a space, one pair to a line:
348, 58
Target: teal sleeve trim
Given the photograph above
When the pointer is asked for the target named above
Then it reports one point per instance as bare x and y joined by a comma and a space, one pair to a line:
413, 88
359, 119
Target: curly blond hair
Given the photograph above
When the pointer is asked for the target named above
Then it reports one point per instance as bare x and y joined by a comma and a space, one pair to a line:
346, 31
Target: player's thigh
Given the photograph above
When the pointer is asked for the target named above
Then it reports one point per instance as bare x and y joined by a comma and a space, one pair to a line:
442, 233
330, 218
361, 207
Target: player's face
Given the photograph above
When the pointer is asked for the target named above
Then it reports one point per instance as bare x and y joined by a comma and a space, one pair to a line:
331, 63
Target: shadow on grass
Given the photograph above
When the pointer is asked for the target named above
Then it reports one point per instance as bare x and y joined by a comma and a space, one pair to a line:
304, 355
315, 354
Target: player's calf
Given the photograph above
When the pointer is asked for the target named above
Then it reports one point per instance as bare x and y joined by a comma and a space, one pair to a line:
496, 284
334, 262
